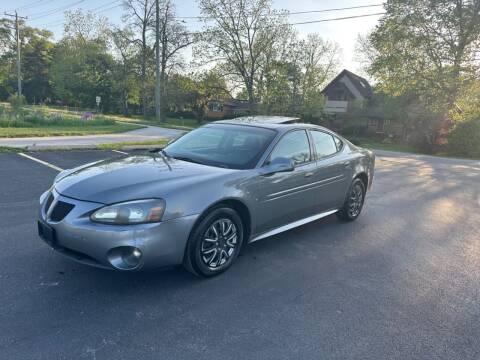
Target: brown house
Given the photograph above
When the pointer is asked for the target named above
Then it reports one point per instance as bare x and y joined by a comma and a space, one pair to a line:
222, 109
347, 98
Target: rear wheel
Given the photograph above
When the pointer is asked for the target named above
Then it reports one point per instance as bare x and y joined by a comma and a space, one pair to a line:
214, 243
354, 203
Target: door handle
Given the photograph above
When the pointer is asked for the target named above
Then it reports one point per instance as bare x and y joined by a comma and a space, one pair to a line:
308, 174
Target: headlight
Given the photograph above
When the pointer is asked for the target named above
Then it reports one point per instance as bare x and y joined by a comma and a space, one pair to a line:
44, 195
132, 212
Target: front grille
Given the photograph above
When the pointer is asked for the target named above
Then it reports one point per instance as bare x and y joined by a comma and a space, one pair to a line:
49, 202
60, 210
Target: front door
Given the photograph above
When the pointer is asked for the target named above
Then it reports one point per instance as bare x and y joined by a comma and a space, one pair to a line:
287, 196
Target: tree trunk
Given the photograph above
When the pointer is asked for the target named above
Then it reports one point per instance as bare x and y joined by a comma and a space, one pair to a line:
163, 116
251, 97
143, 90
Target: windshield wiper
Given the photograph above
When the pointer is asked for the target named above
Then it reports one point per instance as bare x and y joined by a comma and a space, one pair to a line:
185, 158
164, 157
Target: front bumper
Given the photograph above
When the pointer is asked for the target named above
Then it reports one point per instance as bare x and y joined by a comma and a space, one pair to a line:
76, 236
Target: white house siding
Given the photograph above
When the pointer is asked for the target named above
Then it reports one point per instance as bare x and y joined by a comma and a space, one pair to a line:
336, 106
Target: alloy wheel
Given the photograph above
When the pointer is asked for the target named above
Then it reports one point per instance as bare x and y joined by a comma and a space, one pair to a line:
355, 201
219, 243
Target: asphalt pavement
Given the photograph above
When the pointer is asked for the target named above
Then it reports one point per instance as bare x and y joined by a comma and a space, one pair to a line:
401, 282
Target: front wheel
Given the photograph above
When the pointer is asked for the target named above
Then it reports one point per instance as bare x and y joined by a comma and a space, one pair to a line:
354, 203
214, 243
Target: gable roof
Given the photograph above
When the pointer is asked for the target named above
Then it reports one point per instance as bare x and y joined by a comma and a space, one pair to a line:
360, 83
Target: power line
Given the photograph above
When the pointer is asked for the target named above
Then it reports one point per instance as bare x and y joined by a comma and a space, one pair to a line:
293, 13
34, 4
288, 13
297, 23
335, 19
107, 4
53, 11
94, 11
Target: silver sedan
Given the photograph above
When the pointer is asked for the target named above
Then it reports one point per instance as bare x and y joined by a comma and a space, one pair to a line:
205, 195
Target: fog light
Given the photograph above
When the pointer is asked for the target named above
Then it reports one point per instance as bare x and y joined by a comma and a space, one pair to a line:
125, 257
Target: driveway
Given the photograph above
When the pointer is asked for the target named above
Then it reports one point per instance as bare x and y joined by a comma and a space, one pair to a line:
148, 133
401, 282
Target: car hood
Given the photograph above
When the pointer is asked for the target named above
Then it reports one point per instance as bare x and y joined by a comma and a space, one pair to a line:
132, 177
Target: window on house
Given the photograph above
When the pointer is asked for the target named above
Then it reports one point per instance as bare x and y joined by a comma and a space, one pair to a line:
215, 106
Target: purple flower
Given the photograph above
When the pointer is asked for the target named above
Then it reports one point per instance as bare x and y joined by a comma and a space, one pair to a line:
87, 116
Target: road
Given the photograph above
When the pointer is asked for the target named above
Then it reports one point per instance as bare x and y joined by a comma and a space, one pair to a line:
402, 282
147, 133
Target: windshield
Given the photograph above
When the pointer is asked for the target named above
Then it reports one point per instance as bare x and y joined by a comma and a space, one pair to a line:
229, 146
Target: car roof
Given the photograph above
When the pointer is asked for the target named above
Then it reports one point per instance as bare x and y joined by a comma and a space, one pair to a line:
281, 123
260, 120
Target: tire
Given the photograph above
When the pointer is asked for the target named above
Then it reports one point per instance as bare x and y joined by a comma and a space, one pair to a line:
354, 202
214, 243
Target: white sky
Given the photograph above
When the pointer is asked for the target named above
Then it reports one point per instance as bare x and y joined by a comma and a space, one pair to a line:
344, 32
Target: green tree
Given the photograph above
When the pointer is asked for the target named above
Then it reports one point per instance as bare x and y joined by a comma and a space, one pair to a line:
425, 50
7, 59
293, 85
140, 17
126, 84
241, 34
37, 54
82, 65
36, 49
195, 91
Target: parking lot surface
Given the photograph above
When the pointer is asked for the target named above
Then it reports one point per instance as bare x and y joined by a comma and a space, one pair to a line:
402, 282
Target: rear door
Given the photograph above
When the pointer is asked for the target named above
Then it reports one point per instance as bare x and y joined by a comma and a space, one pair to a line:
332, 170
285, 197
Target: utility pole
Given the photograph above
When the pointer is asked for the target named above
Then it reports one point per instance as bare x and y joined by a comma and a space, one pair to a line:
158, 83
17, 37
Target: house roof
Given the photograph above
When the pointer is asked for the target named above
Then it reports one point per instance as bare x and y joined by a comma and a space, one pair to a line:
360, 83
238, 104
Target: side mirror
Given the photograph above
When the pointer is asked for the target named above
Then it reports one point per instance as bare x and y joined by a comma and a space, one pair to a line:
279, 164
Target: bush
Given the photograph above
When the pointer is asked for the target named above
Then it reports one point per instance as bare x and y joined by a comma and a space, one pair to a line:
17, 103
464, 140
43, 119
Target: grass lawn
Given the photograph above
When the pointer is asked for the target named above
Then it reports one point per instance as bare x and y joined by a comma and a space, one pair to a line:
10, 132
174, 123
43, 121
115, 146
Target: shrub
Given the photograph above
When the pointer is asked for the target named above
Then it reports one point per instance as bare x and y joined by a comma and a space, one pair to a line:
464, 140
17, 103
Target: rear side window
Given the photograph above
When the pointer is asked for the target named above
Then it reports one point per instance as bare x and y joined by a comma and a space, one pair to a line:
325, 144
293, 145
339, 143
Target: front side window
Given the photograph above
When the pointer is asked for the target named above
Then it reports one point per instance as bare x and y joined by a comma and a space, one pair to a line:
324, 144
294, 145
